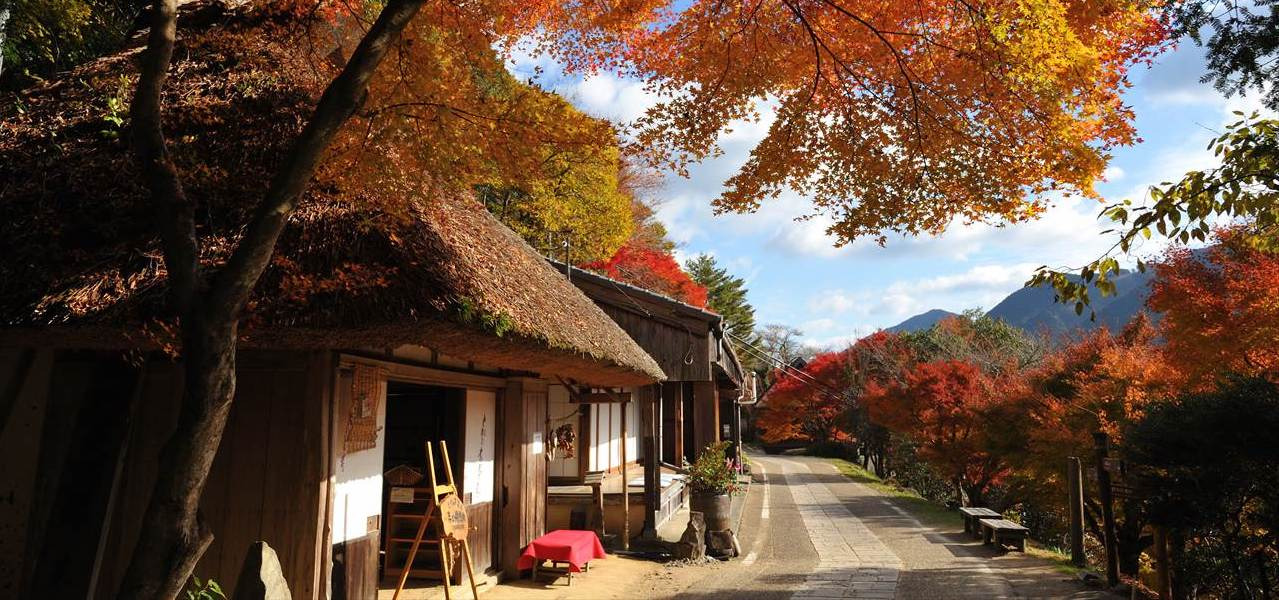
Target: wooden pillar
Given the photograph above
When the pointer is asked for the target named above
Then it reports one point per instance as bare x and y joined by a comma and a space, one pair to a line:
512, 449
705, 415
1107, 510
672, 398
626, 485
1075, 485
649, 397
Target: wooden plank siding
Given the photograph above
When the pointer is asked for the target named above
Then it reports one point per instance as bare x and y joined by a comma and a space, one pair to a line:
705, 415
682, 349
261, 487
522, 496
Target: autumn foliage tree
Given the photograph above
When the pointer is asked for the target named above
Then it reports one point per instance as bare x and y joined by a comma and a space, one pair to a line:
943, 406
652, 270
809, 403
1102, 383
1219, 309
885, 112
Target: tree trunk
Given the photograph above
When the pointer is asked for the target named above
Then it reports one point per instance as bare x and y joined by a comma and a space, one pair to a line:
173, 537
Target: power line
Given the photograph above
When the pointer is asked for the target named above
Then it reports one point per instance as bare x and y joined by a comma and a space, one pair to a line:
798, 374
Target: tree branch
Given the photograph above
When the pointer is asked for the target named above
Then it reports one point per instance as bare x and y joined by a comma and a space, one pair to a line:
340, 100
176, 213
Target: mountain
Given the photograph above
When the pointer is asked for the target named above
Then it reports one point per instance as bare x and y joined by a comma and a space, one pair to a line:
1033, 309
921, 321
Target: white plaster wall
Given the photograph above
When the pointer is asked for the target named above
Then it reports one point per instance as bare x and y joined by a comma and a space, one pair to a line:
358, 478
632, 427
558, 406
481, 413
614, 435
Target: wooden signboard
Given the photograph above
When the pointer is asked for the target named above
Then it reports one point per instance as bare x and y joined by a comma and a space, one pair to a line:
452, 524
453, 513
402, 495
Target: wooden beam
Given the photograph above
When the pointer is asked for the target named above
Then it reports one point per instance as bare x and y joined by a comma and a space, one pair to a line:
649, 396
601, 398
626, 493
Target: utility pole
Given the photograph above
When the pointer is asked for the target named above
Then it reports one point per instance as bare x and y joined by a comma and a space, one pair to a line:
1075, 485
1107, 510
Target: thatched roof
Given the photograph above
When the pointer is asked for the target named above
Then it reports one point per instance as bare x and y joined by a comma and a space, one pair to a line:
359, 266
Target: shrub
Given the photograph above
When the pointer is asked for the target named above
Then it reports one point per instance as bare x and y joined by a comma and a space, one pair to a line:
713, 472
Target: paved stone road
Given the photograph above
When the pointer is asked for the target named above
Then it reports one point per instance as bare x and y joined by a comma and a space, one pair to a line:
852, 562
809, 533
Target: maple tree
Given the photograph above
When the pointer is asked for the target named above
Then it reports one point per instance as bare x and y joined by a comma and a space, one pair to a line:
1102, 383
1219, 310
809, 404
652, 270
885, 111
942, 407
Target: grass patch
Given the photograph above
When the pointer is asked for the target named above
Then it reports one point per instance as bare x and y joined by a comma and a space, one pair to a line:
927, 512
1058, 557
940, 517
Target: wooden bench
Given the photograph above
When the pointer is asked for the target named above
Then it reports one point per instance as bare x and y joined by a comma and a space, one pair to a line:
1004, 532
974, 514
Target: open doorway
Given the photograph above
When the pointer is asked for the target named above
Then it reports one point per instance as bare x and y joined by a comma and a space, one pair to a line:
417, 414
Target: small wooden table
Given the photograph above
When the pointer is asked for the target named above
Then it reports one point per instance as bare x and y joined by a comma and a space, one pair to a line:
974, 514
575, 549
1004, 532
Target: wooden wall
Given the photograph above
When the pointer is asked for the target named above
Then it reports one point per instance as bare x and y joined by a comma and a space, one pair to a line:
705, 415
682, 349
522, 496
269, 478
480, 517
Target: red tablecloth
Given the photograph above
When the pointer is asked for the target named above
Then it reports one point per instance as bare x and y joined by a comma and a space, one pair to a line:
565, 545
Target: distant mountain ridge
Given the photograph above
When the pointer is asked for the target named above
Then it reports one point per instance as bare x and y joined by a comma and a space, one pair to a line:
921, 321
1034, 310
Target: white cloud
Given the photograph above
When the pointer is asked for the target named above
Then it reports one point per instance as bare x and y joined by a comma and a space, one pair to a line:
835, 302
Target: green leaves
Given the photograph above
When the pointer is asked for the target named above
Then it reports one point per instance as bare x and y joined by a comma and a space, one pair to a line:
1244, 187
207, 589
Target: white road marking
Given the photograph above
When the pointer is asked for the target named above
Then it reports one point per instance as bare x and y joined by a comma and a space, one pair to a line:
753, 555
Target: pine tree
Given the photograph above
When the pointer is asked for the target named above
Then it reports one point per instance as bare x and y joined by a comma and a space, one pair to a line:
726, 295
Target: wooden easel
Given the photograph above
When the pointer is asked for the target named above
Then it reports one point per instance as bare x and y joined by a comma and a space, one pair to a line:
453, 525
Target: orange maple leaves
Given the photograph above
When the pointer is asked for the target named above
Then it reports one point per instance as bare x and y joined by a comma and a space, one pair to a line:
1220, 310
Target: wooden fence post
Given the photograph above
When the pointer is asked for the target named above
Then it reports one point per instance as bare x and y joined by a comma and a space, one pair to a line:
1107, 510
1075, 483
1161, 564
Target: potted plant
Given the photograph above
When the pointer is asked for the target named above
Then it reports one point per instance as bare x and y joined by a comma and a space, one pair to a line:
712, 480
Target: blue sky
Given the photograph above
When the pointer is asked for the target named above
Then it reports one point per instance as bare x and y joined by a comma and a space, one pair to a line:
834, 295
